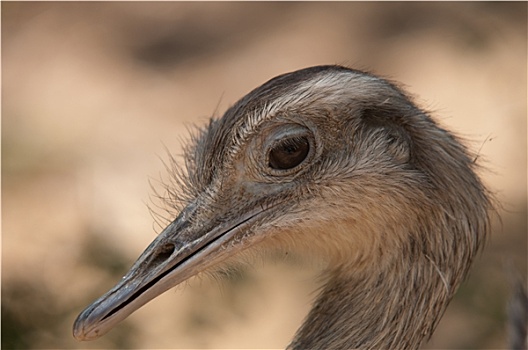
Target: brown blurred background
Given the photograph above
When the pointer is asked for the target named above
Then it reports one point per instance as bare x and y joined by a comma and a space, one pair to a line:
93, 92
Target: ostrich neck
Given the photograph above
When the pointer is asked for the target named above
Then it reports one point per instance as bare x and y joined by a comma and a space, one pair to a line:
396, 308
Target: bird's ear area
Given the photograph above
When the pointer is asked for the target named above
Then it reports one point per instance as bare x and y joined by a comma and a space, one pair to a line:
391, 124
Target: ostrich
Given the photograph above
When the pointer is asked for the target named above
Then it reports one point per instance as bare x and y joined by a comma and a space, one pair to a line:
335, 164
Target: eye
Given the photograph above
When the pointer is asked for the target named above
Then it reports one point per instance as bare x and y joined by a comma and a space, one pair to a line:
288, 153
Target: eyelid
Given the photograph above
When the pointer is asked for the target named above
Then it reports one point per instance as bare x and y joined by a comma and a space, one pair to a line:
288, 132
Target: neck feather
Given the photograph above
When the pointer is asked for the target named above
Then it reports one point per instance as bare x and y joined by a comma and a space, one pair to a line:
395, 308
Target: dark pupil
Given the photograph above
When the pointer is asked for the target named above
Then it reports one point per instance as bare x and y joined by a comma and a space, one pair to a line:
289, 153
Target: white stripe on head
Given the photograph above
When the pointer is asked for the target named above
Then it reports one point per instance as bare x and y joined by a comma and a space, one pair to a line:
326, 87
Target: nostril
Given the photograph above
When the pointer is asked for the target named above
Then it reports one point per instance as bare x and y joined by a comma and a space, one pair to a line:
163, 254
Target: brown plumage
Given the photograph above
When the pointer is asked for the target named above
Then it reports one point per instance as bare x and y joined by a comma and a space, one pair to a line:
333, 163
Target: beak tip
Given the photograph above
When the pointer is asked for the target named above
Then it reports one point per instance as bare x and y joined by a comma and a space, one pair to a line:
80, 335
80, 331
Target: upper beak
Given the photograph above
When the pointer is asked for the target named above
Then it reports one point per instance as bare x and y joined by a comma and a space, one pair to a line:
186, 247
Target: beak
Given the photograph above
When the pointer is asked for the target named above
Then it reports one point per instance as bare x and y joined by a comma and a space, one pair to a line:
186, 247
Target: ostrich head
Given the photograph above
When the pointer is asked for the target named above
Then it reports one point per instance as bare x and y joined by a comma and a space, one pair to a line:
333, 163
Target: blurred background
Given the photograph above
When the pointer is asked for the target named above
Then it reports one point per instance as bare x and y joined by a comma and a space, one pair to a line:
92, 93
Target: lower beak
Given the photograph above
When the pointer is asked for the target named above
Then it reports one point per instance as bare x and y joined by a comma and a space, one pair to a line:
186, 247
